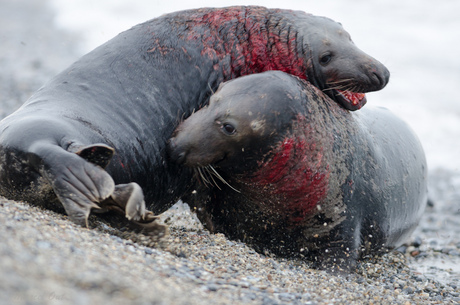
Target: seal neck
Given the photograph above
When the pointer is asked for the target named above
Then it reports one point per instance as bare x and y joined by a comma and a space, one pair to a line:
293, 179
247, 40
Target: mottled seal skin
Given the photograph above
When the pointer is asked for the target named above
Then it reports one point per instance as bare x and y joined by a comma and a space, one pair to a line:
127, 97
303, 176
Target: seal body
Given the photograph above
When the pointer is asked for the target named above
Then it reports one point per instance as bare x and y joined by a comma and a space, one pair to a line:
302, 176
127, 97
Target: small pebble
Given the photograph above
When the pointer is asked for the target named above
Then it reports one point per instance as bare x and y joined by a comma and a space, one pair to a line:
417, 242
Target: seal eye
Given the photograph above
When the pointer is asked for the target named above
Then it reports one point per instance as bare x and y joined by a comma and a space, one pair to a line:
228, 129
325, 59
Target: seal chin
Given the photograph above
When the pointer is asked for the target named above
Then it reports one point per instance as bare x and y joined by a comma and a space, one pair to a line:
349, 100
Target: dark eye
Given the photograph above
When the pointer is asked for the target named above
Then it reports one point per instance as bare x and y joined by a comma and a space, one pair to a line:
325, 59
228, 129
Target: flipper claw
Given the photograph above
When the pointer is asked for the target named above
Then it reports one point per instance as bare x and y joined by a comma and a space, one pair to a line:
128, 199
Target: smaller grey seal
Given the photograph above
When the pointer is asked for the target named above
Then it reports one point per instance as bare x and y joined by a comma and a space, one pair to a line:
302, 176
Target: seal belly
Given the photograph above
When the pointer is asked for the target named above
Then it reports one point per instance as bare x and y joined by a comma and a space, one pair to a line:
395, 173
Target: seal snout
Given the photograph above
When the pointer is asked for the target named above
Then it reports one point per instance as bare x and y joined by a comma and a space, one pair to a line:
378, 76
381, 77
175, 154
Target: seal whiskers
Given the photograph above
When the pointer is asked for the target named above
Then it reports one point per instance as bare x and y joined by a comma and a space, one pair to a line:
212, 178
203, 177
213, 171
342, 84
206, 174
210, 88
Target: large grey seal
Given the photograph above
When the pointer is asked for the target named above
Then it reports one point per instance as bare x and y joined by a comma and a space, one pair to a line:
127, 96
300, 176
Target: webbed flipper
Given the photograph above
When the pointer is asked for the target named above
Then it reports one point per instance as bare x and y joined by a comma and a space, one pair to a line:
128, 200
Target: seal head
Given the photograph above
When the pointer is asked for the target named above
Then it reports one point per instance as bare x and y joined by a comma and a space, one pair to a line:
339, 68
232, 129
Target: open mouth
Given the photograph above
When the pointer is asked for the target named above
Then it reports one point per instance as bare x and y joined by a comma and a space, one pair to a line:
349, 100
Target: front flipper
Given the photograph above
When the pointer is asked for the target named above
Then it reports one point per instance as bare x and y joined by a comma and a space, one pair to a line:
128, 200
79, 185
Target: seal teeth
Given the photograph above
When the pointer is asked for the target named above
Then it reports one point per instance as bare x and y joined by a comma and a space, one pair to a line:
355, 100
347, 99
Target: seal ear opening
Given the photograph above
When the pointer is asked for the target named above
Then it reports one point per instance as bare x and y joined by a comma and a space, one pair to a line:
99, 154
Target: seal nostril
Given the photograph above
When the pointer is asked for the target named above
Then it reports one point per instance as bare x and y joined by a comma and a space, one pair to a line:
174, 153
378, 78
386, 75
381, 77
178, 157
181, 158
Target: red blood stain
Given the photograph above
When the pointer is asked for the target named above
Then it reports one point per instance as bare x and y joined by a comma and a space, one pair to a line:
354, 97
245, 42
295, 178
